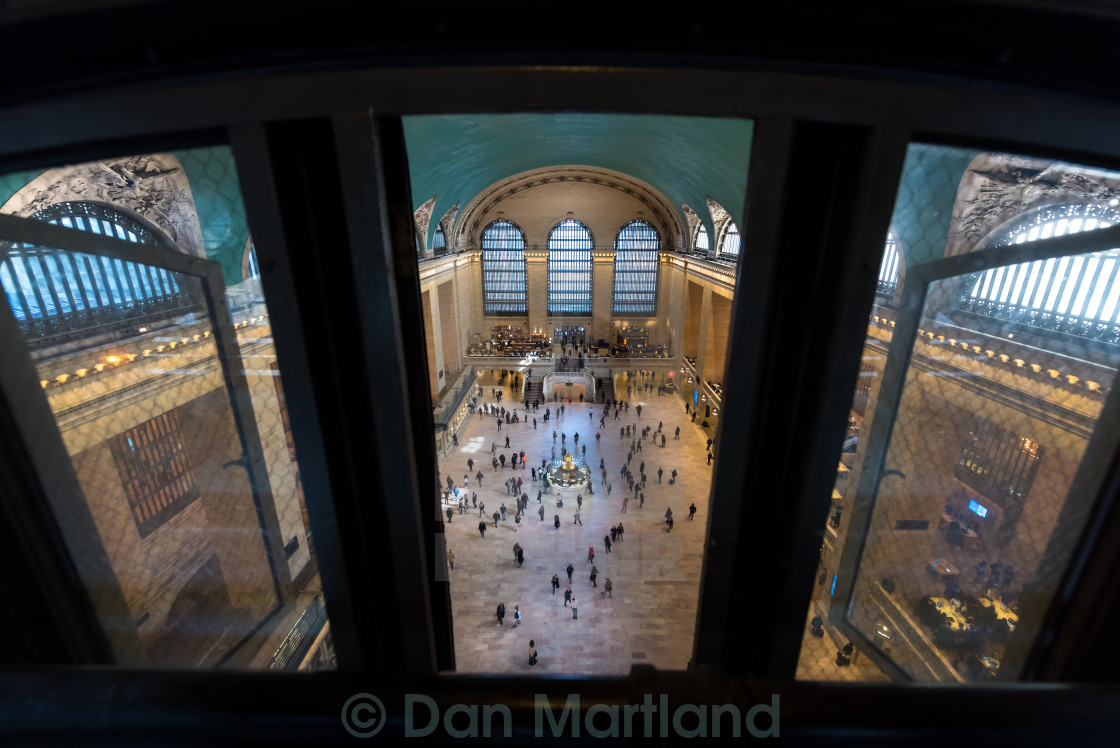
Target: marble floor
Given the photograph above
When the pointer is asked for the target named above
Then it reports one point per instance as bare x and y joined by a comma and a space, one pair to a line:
651, 617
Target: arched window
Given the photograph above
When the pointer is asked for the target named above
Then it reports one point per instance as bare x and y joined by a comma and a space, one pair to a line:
45, 283
503, 269
1069, 294
888, 269
635, 269
439, 244
702, 238
569, 268
254, 267
729, 247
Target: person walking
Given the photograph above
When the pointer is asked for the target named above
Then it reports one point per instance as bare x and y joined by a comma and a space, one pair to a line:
555, 583
608, 588
503, 511
449, 513
501, 612
659, 472
568, 595
478, 477
470, 464
575, 606
677, 434
450, 558
516, 615
668, 515
579, 501
532, 652
625, 500
496, 518
607, 542
556, 521
481, 508
692, 510
577, 520
571, 569
540, 511
594, 574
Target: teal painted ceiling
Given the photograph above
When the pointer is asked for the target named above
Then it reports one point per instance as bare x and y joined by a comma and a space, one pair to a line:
685, 158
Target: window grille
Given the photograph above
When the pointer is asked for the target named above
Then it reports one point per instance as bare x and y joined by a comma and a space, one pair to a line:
569, 268
439, 243
254, 266
1078, 295
155, 471
702, 238
731, 240
504, 285
635, 269
888, 269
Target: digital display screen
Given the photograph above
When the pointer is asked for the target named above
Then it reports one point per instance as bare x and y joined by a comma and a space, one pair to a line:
696, 396
832, 590
978, 508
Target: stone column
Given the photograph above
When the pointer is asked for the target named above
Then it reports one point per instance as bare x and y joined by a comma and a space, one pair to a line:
536, 267
602, 296
704, 348
433, 333
449, 335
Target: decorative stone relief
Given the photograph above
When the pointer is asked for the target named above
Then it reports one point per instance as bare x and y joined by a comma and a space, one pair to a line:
999, 187
447, 222
153, 186
694, 222
721, 219
423, 217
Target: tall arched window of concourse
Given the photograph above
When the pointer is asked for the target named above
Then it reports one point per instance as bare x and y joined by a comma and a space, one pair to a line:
569, 268
636, 251
60, 291
729, 244
1079, 294
504, 288
439, 243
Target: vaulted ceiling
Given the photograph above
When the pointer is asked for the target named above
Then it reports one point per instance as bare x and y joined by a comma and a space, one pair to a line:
685, 158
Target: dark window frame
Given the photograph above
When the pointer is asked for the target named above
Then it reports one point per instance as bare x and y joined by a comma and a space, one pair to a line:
854, 713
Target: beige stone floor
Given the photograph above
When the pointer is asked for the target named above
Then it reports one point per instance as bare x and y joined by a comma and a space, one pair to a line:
656, 574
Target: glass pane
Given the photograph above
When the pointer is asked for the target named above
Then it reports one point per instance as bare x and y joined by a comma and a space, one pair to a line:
575, 307
952, 553
193, 555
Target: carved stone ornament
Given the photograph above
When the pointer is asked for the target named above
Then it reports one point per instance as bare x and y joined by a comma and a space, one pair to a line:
720, 217
153, 186
997, 188
662, 214
447, 222
693, 218
423, 217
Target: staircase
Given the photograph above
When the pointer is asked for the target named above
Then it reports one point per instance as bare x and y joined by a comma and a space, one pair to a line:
532, 390
608, 388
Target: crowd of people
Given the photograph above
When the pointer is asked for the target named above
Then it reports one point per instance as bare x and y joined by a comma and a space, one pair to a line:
519, 484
